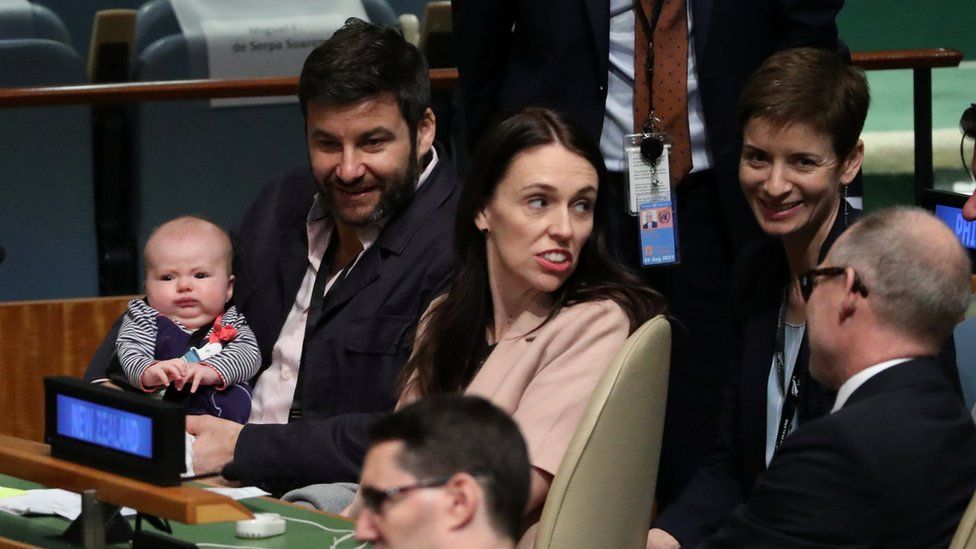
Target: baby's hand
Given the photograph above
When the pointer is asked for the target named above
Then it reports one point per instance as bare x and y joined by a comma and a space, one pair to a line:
197, 374
163, 372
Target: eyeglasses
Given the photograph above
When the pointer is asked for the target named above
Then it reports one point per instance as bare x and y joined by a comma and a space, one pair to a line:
809, 279
375, 498
967, 123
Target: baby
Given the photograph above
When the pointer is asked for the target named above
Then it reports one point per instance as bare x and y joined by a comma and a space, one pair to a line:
180, 334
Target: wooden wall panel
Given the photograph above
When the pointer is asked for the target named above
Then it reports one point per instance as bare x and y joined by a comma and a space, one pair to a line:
43, 338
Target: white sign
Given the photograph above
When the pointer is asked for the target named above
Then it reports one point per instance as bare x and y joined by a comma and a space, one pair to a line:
258, 39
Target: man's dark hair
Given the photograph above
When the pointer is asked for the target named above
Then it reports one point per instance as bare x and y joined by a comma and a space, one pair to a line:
362, 60
448, 434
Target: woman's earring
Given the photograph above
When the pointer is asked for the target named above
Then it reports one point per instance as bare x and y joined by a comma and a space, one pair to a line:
485, 231
846, 205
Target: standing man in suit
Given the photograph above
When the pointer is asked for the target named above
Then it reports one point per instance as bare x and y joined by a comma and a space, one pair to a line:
335, 263
586, 58
894, 464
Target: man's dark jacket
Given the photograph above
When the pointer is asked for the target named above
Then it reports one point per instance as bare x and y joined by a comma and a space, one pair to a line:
895, 467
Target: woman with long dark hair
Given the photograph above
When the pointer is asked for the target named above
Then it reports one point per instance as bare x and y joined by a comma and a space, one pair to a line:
536, 305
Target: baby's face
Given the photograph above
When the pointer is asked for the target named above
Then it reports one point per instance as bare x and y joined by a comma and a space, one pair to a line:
187, 277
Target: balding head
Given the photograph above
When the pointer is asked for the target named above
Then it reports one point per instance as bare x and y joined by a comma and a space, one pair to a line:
917, 273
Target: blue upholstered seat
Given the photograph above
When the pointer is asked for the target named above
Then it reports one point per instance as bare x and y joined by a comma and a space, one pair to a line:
47, 210
37, 22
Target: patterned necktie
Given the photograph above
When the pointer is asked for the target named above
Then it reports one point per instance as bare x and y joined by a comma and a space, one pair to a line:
670, 78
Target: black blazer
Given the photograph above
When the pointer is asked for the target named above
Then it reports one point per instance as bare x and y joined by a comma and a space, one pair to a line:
727, 477
555, 53
894, 467
352, 356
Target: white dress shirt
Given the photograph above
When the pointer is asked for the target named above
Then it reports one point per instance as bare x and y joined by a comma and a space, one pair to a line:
619, 115
275, 387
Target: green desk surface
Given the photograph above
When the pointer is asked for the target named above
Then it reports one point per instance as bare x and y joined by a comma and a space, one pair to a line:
44, 531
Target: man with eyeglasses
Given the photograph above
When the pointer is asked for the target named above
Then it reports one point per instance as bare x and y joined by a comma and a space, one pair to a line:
447, 471
894, 463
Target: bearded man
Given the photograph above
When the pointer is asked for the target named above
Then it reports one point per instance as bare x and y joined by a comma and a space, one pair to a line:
334, 264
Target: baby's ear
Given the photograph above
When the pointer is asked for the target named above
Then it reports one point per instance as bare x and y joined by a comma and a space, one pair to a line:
230, 287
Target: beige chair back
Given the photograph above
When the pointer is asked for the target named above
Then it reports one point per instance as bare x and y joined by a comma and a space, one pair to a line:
437, 20
110, 49
965, 537
604, 490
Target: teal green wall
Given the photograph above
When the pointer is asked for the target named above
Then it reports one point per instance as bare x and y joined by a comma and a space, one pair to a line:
867, 25
902, 24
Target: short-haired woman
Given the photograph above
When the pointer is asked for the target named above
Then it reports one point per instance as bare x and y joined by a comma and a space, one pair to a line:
801, 116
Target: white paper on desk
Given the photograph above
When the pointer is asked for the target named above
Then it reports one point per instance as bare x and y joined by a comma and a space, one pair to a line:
53, 501
239, 493
44, 502
188, 455
67, 504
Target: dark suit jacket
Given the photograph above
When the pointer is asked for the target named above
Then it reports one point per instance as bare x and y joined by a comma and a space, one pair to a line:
894, 467
727, 477
351, 357
353, 354
555, 53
